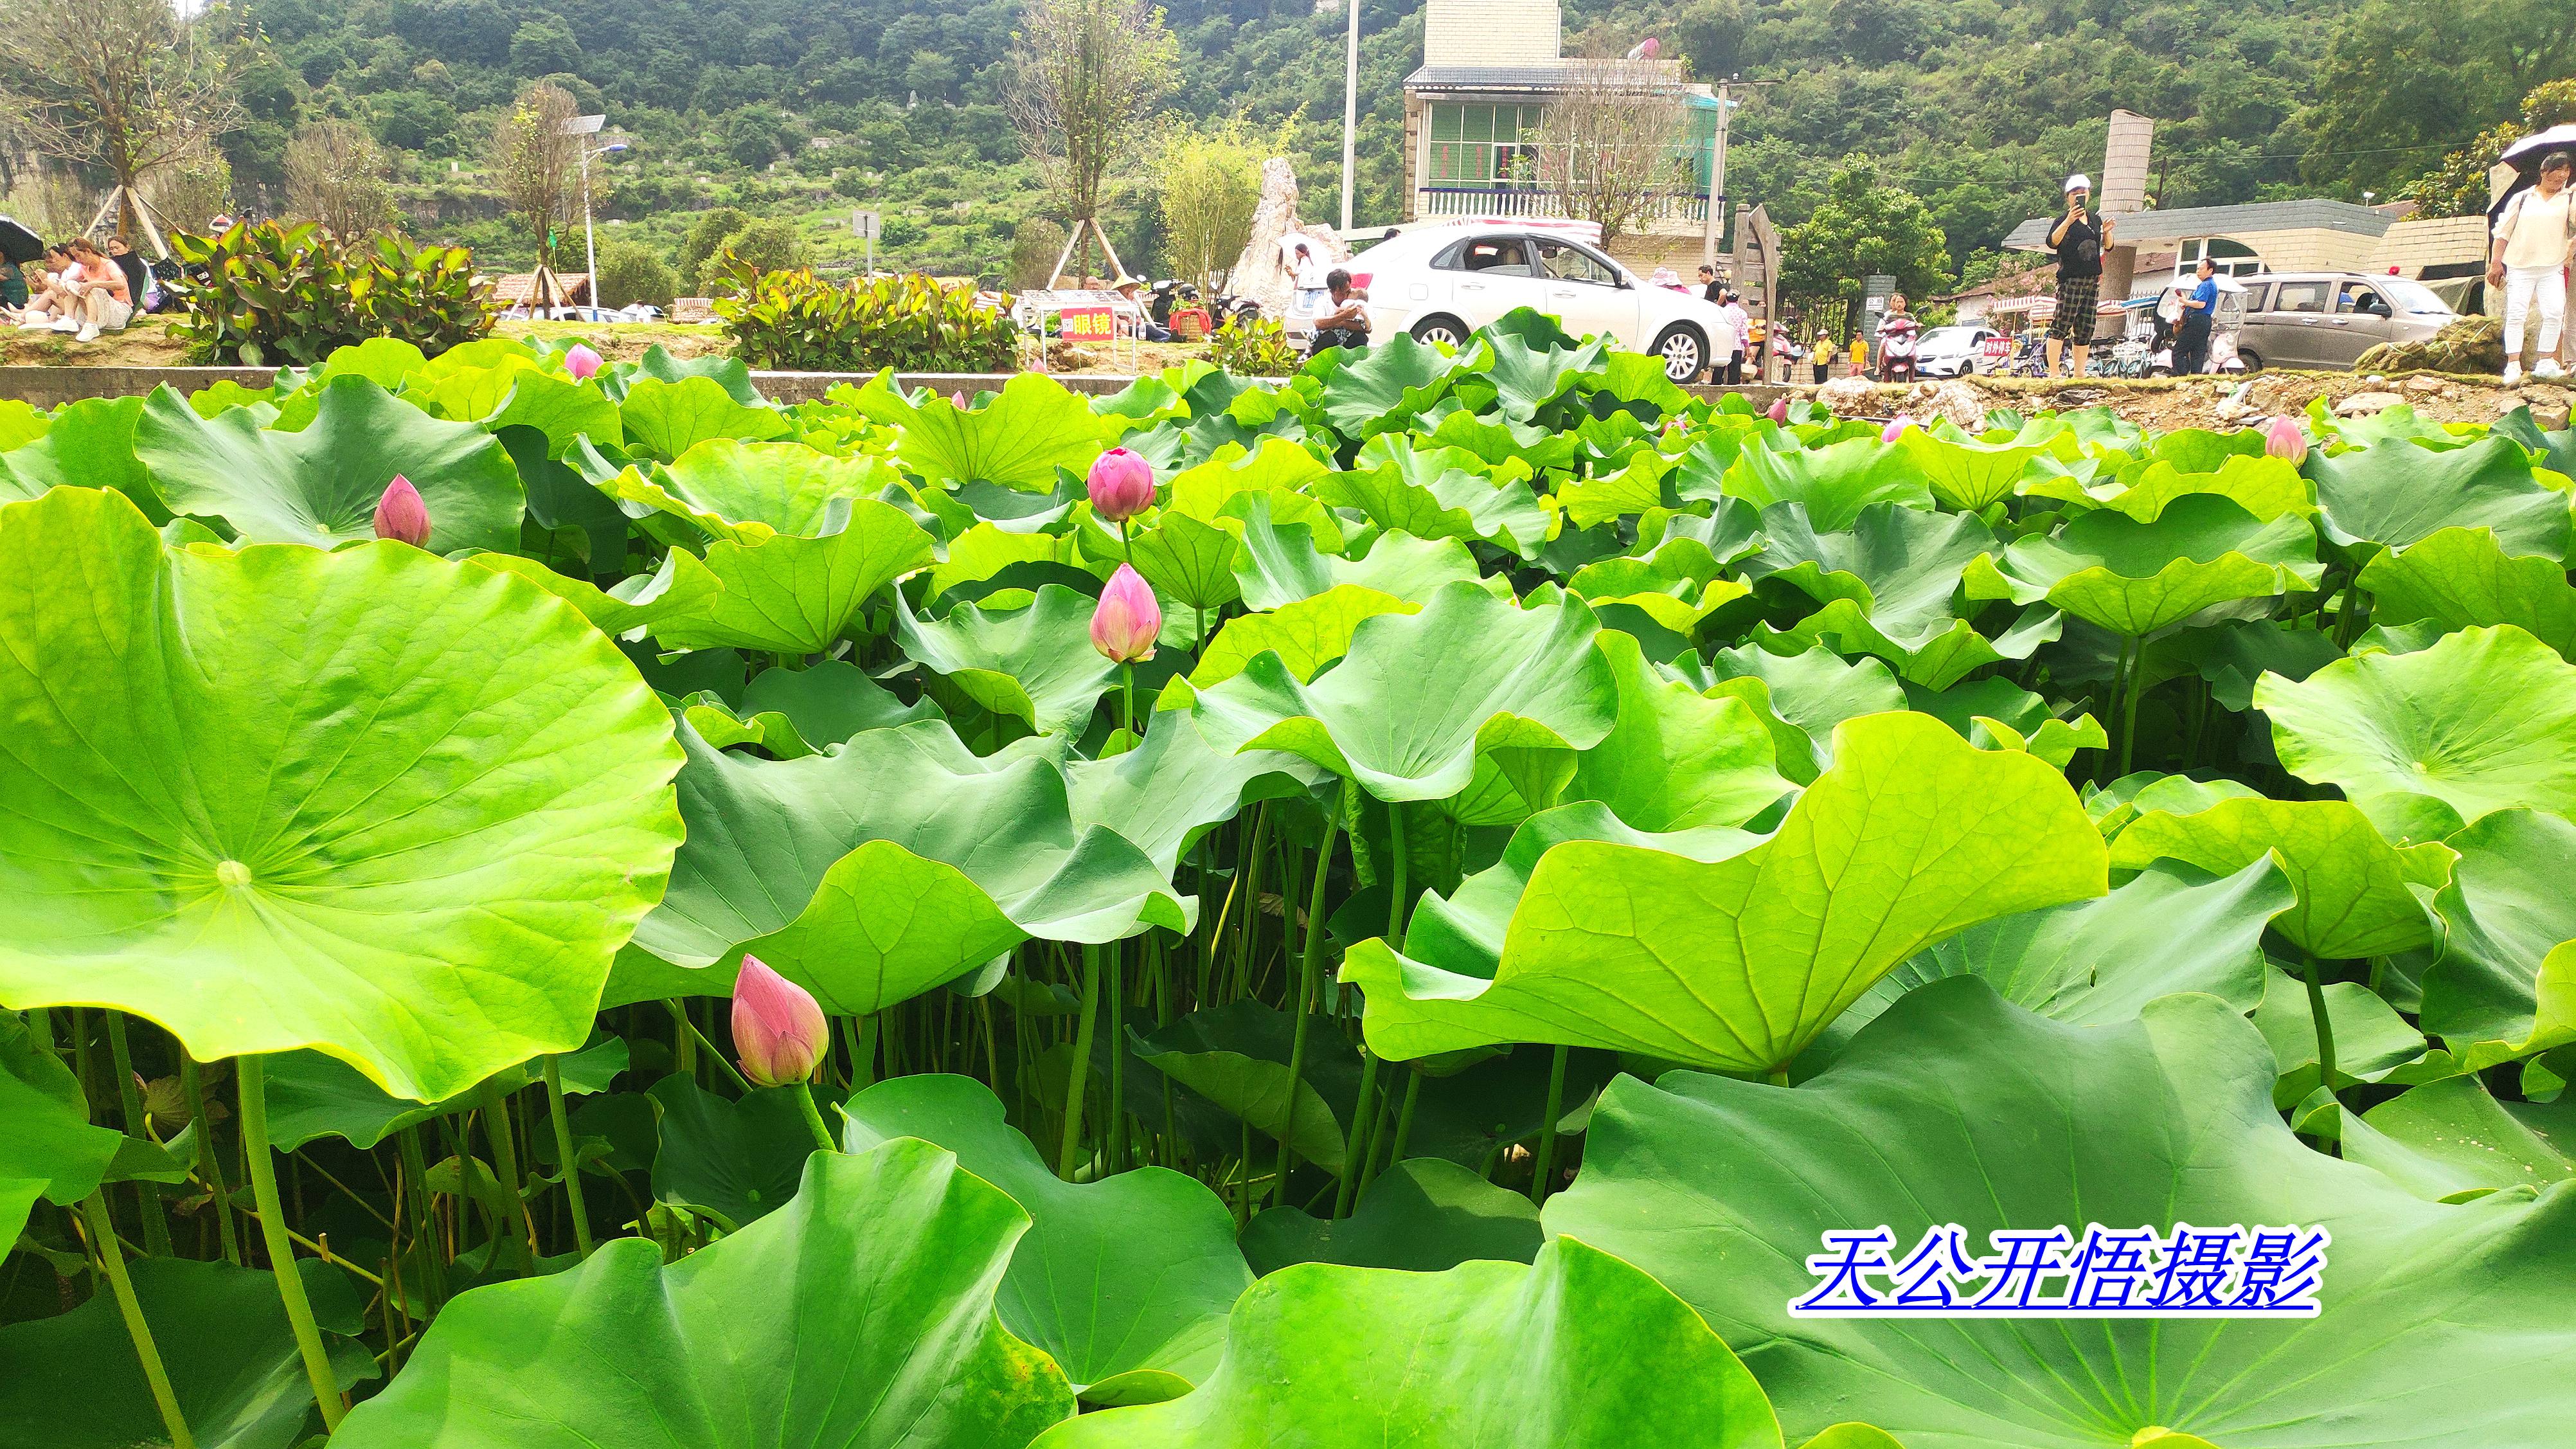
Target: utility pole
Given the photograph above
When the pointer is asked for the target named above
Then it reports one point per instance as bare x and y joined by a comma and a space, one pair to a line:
1350, 112
1716, 178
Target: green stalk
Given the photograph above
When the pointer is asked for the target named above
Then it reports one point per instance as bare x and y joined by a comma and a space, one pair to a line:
1362, 1118
684, 1047
1546, 1159
281, 1249
1310, 966
193, 1086
518, 1229
1403, 1126
156, 1226
2133, 676
1117, 1056
1079, 1079
814, 1119
111, 1259
415, 1172
2324, 1024
859, 1035
1395, 875
564, 1154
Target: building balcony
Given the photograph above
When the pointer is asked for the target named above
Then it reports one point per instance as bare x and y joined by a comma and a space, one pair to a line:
1671, 211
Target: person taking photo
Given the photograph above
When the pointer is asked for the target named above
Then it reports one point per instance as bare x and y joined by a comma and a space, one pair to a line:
2079, 240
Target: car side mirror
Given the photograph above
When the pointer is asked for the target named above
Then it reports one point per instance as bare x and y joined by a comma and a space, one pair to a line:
2376, 308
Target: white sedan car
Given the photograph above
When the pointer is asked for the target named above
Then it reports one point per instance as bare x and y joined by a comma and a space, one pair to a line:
1441, 283
1959, 350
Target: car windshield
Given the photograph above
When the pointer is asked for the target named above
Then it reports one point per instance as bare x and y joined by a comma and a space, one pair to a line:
1945, 337
2408, 296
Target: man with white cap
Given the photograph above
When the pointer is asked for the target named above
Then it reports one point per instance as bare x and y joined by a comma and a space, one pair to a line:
2079, 241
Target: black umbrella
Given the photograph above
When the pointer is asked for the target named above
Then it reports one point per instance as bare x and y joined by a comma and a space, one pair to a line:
17, 243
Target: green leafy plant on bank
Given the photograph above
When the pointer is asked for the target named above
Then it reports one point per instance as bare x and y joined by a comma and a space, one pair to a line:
1254, 347
914, 323
275, 294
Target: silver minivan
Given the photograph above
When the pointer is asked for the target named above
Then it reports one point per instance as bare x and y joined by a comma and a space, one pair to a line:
2325, 321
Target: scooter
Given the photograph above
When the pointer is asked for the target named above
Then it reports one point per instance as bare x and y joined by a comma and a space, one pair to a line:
1898, 343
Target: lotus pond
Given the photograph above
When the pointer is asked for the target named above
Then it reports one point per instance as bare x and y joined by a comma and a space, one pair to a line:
1458, 900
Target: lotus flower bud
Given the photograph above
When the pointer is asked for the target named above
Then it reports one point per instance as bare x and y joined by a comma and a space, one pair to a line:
1895, 428
2285, 439
778, 1031
1122, 485
1779, 410
957, 399
401, 515
1124, 626
581, 362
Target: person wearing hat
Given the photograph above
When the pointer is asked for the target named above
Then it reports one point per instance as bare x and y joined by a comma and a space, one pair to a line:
1144, 323
2079, 241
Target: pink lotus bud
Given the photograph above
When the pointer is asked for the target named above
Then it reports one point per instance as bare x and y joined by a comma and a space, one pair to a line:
957, 399
1124, 626
581, 362
1895, 428
778, 1031
1779, 410
401, 515
2285, 439
1122, 485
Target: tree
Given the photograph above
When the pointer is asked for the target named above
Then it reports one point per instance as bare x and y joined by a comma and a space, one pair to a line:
2458, 187
534, 162
1035, 244
544, 46
2400, 81
1085, 78
631, 272
1606, 145
1862, 228
336, 176
189, 189
708, 233
123, 86
766, 245
1207, 183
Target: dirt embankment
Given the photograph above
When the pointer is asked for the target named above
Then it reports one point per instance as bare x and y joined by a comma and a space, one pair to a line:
2210, 402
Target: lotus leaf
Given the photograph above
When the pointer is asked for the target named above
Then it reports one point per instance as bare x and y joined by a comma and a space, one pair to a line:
1834, 482
2357, 894
2396, 494
2462, 577
1033, 662
666, 417
2136, 578
2507, 970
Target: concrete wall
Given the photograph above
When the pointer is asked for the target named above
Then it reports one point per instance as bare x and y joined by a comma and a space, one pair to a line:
2412, 245
1490, 32
51, 387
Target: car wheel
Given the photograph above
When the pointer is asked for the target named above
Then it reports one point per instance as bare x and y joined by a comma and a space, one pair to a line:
1447, 331
1683, 350
2253, 360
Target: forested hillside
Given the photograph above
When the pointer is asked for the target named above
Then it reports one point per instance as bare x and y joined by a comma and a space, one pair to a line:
806, 108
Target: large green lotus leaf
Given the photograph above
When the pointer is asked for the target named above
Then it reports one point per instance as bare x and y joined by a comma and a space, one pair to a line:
1528, 377
2460, 577
2396, 494
2169, 929
45, 1134
737, 1158
1422, 1215
681, 586
311, 1096
1442, 493
1125, 1282
1634, 489
1269, 484
1675, 759
827, 703
2452, 1140
2424, 743
1280, 564
664, 418
875, 872
1666, 593
2265, 487
1163, 794
1886, 586
1419, 697
2507, 970
1810, 694
370, 802
2136, 578
1034, 426
1187, 561
1394, 379
751, 492
860, 1315
2357, 893
73, 1381
2442, 1326
89, 444
1237, 1056
730, 373
1834, 482
800, 595
2235, 654
1736, 964
1034, 663
2371, 1040
1966, 474
321, 485
1306, 634
1576, 1351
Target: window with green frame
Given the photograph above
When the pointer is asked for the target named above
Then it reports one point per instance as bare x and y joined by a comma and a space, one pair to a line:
1474, 144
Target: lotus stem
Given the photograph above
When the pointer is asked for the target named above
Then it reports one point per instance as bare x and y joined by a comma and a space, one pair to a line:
415, 1174
1403, 1126
1310, 966
684, 1047
2134, 686
564, 1155
519, 1229
1129, 670
1078, 1081
1355, 1159
2324, 1023
814, 1118
1117, 1056
192, 1084
111, 1261
1395, 874
1545, 1162
156, 1227
859, 1035
252, 1080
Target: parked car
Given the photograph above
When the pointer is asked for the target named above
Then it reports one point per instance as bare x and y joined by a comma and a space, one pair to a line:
2327, 320
1441, 283
1959, 350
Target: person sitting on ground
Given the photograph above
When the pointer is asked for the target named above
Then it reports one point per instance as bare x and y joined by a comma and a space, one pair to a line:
106, 302
1143, 322
138, 275
51, 293
1347, 324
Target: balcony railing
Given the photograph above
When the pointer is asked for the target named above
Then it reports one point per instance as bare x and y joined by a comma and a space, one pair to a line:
1433, 201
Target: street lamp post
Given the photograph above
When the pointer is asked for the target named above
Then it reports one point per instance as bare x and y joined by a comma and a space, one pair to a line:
589, 236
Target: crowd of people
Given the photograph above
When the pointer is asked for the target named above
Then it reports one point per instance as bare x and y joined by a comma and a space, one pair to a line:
80, 287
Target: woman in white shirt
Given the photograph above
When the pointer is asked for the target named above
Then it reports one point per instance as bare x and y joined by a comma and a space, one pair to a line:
2534, 238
